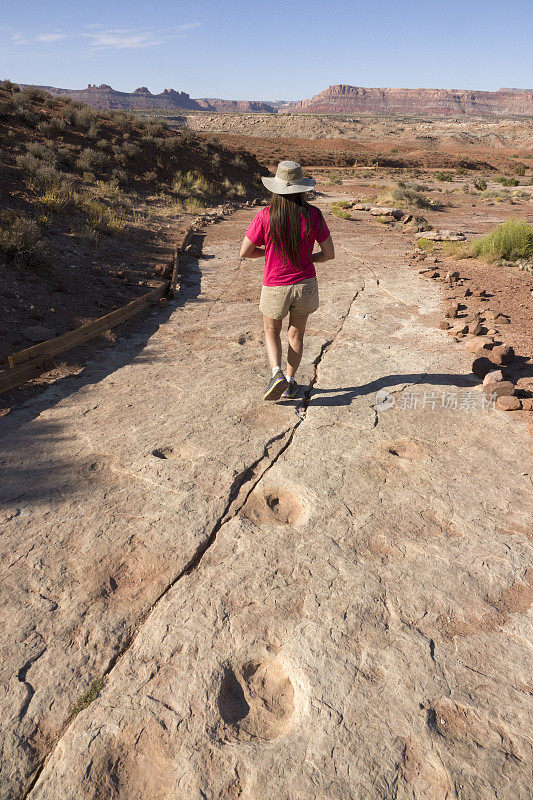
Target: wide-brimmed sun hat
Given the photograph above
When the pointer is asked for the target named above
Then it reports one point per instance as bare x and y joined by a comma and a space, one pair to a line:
289, 179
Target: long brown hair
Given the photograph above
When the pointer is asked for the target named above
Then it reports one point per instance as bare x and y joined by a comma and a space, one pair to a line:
285, 215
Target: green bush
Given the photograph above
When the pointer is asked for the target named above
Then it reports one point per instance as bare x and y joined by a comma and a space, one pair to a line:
480, 184
511, 240
334, 178
339, 212
444, 176
520, 169
507, 181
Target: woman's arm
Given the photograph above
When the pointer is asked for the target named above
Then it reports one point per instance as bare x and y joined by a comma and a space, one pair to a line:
327, 251
249, 249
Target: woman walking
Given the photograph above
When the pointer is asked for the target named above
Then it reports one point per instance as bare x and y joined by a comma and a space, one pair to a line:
285, 233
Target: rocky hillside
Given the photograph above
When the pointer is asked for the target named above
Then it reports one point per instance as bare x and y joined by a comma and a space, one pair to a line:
90, 206
105, 97
343, 99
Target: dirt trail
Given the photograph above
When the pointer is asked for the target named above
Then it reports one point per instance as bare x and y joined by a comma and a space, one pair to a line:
315, 599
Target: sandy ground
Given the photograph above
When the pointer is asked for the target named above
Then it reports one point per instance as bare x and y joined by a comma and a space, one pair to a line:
311, 599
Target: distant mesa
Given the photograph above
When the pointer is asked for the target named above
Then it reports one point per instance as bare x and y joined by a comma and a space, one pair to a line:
345, 99
336, 99
105, 97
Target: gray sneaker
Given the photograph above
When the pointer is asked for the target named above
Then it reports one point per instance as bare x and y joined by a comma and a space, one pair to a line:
276, 387
291, 391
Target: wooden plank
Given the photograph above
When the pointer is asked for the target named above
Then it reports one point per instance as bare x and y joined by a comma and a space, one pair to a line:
11, 378
174, 280
187, 238
87, 332
34, 360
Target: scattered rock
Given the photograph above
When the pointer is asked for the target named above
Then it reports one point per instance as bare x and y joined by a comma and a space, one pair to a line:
502, 354
508, 403
527, 403
361, 206
434, 274
441, 236
493, 376
458, 330
474, 328
481, 366
451, 311
382, 211
498, 387
475, 345
443, 325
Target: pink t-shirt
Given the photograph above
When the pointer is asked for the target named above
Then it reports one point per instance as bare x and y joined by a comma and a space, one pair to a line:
277, 271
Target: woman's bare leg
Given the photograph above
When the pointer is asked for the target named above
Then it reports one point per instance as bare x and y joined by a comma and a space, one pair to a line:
297, 324
272, 329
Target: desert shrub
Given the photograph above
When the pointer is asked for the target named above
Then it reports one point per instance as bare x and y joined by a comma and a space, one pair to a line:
100, 218
192, 185
410, 194
461, 170
27, 117
41, 151
131, 150
102, 144
341, 204
334, 178
156, 126
507, 181
216, 160
20, 237
511, 240
151, 176
489, 194
52, 126
65, 158
35, 94
338, 211
94, 130
444, 176
91, 160
480, 184
238, 161
425, 244
120, 176
9, 86
84, 117
520, 169
57, 197
111, 191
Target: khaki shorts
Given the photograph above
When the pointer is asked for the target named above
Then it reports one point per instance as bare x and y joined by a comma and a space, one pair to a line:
301, 298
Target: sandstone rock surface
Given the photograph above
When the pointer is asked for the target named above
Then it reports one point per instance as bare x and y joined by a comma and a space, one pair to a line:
322, 598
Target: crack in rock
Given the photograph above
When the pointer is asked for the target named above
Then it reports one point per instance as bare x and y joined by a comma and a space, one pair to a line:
231, 510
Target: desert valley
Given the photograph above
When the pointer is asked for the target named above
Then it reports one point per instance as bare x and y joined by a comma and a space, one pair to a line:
209, 596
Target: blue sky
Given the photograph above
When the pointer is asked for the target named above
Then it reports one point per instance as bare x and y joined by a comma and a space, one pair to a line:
274, 49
